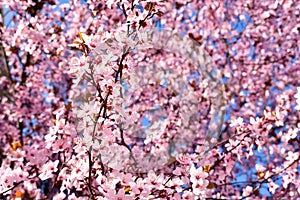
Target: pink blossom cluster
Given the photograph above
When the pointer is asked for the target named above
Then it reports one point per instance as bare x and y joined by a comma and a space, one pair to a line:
143, 99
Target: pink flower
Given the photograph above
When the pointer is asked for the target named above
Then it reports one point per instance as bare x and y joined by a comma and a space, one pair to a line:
138, 187
59, 196
272, 187
247, 191
292, 156
60, 145
260, 168
176, 183
153, 179
48, 169
291, 134
188, 195
199, 187
287, 179
179, 171
236, 122
184, 159
119, 196
37, 156
7, 179
297, 96
109, 3
232, 144
198, 179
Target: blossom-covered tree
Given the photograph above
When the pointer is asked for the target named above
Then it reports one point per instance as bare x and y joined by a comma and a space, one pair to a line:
149, 99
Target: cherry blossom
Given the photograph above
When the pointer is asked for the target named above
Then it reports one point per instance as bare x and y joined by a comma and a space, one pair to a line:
149, 99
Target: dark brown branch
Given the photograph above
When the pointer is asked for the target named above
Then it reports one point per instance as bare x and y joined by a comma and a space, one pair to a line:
269, 177
6, 70
90, 173
9, 189
119, 72
25, 65
126, 145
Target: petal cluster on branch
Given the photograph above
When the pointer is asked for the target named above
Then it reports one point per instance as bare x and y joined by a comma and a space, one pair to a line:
149, 99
